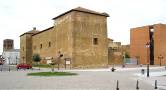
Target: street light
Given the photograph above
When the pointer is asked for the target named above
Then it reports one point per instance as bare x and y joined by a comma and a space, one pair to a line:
123, 65
23, 59
59, 58
9, 60
137, 57
160, 57
16, 60
9, 63
147, 46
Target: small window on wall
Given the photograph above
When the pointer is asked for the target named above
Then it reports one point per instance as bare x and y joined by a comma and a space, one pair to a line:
95, 41
23, 48
49, 44
40, 46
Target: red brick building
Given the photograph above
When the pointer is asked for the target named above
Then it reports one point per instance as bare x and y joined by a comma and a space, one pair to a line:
155, 36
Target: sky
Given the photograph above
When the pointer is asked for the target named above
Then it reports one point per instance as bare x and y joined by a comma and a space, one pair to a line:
20, 16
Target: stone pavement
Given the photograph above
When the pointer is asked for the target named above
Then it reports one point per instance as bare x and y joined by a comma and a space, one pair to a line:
89, 79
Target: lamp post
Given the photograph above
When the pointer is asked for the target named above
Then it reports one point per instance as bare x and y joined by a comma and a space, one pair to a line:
9, 60
16, 60
23, 59
165, 66
147, 46
137, 57
59, 58
9, 63
160, 57
123, 65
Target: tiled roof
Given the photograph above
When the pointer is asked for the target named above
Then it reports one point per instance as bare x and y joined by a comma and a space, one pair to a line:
7, 39
33, 31
89, 11
80, 9
43, 30
30, 32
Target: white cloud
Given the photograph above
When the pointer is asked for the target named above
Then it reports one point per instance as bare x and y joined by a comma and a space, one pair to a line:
19, 16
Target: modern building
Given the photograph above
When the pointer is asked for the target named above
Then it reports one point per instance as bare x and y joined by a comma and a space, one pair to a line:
79, 34
8, 44
11, 56
148, 44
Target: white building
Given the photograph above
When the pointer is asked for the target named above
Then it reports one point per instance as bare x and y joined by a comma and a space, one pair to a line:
11, 56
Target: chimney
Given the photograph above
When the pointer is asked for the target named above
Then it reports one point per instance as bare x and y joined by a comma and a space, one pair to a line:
34, 28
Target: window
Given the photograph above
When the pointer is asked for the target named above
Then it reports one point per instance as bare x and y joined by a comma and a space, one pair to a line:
49, 44
95, 41
23, 48
40, 46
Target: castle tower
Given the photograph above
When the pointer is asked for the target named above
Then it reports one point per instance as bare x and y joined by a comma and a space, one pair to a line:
26, 46
8, 44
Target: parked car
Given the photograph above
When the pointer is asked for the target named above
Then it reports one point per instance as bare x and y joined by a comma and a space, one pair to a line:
24, 66
2, 62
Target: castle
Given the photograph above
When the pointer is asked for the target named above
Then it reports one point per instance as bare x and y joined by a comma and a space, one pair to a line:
78, 34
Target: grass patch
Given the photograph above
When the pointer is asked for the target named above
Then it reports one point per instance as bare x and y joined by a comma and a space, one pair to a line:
51, 74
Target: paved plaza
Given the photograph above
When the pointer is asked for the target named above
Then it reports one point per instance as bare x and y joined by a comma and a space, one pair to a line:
88, 79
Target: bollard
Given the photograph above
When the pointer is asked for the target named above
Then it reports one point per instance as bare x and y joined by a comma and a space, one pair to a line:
117, 85
9, 68
140, 65
155, 84
123, 66
52, 69
137, 86
142, 71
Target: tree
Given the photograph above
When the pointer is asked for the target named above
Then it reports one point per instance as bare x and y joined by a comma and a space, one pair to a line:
127, 55
36, 58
